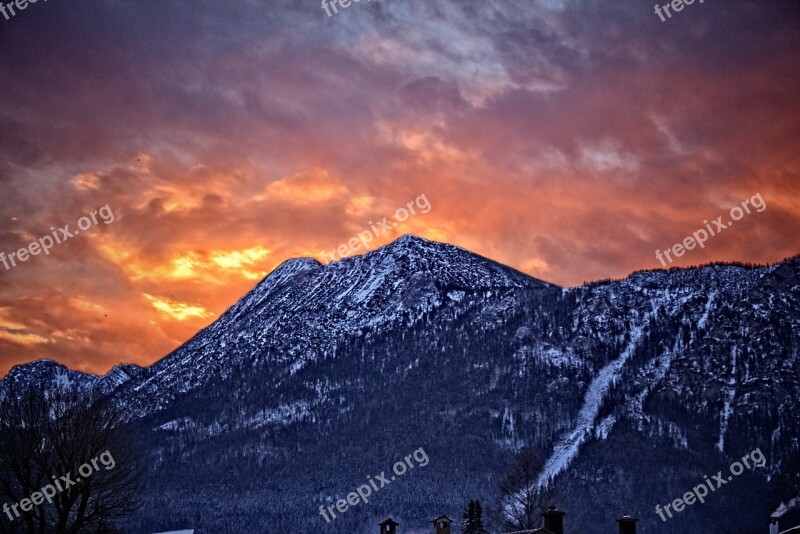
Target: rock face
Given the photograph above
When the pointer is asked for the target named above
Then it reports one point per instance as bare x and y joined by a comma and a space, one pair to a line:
324, 375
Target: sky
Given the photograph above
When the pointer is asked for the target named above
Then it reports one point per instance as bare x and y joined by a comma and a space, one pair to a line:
568, 139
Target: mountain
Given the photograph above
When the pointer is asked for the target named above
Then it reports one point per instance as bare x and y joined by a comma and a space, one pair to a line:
325, 375
303, 309
47, 375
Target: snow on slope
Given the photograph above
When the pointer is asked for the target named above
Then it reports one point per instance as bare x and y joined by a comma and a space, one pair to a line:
567, 447
730, 394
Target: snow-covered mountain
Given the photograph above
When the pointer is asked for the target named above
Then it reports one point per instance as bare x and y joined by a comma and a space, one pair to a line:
324, 374
303, 309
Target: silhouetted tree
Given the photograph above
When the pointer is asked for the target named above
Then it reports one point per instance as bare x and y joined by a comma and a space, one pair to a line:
72, 454
472, 522
521, 500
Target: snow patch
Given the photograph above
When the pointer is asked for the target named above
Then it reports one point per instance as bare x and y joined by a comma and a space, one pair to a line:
567, 448
730, 394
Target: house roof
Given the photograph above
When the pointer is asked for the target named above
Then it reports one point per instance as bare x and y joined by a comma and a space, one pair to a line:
388, 521
440, 518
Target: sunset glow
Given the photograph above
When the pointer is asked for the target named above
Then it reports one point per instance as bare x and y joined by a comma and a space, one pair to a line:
226, 148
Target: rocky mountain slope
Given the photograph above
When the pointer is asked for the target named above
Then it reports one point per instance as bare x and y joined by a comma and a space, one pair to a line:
323, 375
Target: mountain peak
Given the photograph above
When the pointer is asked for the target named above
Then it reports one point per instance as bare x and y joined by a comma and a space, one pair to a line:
448, 264
288, 270
40, 366
410, 239
47, 373
297, 265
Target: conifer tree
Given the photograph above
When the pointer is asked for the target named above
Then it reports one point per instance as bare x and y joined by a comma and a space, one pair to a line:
479, 528
472, 520
468, 519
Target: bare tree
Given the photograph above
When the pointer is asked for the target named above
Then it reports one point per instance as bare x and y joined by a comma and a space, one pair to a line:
77, 447
521, 500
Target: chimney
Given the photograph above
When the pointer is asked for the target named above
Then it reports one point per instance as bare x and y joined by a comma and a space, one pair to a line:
388, 526
773, 526
627, 524
554, 520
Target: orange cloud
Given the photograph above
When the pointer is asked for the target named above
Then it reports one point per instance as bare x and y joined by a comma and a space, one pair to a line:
23, 338
315, 185
177, 310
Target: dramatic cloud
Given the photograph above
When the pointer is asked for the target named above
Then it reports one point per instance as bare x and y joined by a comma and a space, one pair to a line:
570, 139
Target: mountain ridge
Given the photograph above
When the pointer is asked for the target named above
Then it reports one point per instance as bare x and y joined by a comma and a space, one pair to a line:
312, 262
322, 374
